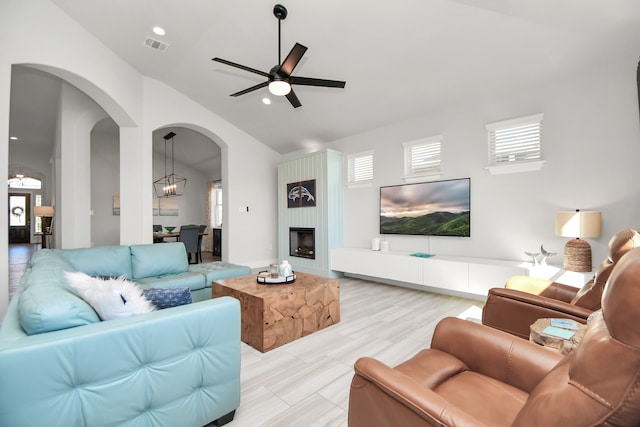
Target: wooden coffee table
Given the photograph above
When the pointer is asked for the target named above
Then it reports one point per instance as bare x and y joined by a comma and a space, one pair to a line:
273, 315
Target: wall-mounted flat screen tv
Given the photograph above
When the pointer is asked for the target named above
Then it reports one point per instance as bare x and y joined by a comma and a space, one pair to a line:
437, 208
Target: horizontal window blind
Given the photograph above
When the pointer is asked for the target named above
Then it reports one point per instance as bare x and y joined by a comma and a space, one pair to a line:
518, 140
422, 158
360, 167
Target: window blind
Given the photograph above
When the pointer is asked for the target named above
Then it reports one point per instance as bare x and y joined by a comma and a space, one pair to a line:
518, 140
422, 158
360, 167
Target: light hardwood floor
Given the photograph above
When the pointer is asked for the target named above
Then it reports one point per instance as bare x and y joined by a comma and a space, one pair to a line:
306, 382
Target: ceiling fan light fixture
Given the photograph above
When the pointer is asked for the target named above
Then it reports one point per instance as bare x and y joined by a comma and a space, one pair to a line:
279, 87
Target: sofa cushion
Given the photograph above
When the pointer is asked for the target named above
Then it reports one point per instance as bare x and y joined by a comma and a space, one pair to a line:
112, 261
219, 270
111, 298
51, 308
163, 298
193, 281
158, 260
46, 303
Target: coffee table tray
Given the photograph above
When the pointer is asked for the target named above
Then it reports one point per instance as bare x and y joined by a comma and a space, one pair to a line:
265, 278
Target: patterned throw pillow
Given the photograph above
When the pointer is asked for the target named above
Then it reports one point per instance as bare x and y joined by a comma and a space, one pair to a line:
169, 297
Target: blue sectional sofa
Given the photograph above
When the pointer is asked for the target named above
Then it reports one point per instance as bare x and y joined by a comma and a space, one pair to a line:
62, 366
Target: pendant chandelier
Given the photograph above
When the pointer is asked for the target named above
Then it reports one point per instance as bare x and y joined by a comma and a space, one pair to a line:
170, 185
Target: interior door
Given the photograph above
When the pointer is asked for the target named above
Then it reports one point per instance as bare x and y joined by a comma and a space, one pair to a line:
19, 218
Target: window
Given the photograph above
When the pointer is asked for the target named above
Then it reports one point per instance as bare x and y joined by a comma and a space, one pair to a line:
422, 157
38, 218
216, 202
360, 168
24, 182
516, 144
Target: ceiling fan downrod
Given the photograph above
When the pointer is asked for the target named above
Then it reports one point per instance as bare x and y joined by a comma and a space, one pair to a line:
280, 12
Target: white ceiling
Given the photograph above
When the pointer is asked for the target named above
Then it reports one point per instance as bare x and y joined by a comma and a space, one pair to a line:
400, 59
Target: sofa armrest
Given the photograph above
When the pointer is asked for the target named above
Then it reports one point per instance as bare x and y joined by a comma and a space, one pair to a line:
515, 311
494, 353
179, 366
542, 287
383, 396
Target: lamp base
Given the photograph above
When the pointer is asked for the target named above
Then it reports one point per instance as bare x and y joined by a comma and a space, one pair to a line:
577, 255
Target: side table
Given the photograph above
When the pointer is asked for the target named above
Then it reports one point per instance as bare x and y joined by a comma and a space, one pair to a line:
564, 346
43, 237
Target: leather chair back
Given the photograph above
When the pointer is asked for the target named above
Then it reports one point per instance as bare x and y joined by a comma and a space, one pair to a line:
591, 293
597, 383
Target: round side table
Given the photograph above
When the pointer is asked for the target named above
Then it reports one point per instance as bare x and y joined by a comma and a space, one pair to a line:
564, 346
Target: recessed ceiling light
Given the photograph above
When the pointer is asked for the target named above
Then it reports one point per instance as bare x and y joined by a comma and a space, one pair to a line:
13, 138
159, 31
266, 101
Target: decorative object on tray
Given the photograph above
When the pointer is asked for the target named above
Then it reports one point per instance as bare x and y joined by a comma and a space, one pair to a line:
265, 277
285, 268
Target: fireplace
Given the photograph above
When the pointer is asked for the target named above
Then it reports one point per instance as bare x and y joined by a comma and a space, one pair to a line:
302, 242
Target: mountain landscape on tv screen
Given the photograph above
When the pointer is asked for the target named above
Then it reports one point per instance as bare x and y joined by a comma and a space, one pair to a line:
433, 224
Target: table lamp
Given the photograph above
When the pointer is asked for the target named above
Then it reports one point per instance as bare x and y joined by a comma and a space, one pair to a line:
44, 212
578, 224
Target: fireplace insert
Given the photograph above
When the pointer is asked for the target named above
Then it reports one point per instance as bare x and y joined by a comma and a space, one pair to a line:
302, 242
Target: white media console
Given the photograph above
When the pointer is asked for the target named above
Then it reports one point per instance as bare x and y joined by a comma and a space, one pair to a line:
451, 274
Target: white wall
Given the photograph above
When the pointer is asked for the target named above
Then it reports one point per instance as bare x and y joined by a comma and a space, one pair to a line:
37, 32
79, 114
591, 145
105, 183
249, 174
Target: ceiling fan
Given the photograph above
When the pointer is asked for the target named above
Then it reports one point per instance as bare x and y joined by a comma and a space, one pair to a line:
279, 78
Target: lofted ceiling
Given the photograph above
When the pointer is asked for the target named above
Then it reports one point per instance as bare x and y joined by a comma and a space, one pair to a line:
400, 59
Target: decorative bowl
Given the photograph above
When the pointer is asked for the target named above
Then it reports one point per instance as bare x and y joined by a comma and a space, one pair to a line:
169, 229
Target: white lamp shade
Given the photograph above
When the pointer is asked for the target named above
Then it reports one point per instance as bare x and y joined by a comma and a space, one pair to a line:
578, 224
43, 211
279, 87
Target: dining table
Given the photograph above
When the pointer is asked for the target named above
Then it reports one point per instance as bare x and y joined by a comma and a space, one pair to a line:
162, 235
173, 234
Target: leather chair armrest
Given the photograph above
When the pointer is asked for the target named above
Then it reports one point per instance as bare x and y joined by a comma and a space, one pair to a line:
542, 287
494, 353
515, 311
383, 396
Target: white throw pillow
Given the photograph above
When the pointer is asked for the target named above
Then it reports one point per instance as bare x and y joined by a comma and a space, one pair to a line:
110, 298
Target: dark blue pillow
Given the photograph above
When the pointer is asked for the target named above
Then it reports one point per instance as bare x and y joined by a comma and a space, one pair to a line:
169, 297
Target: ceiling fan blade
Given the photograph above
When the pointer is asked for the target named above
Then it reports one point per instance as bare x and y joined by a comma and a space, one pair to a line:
251, 89
307, 81
292, 60
242, 67
293, 99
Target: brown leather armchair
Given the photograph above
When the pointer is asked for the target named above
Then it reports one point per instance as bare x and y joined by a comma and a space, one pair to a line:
474, 375
525, 299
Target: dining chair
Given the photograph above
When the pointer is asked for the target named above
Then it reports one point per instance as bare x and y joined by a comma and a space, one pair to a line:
189, 237
157, 228
201, 230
